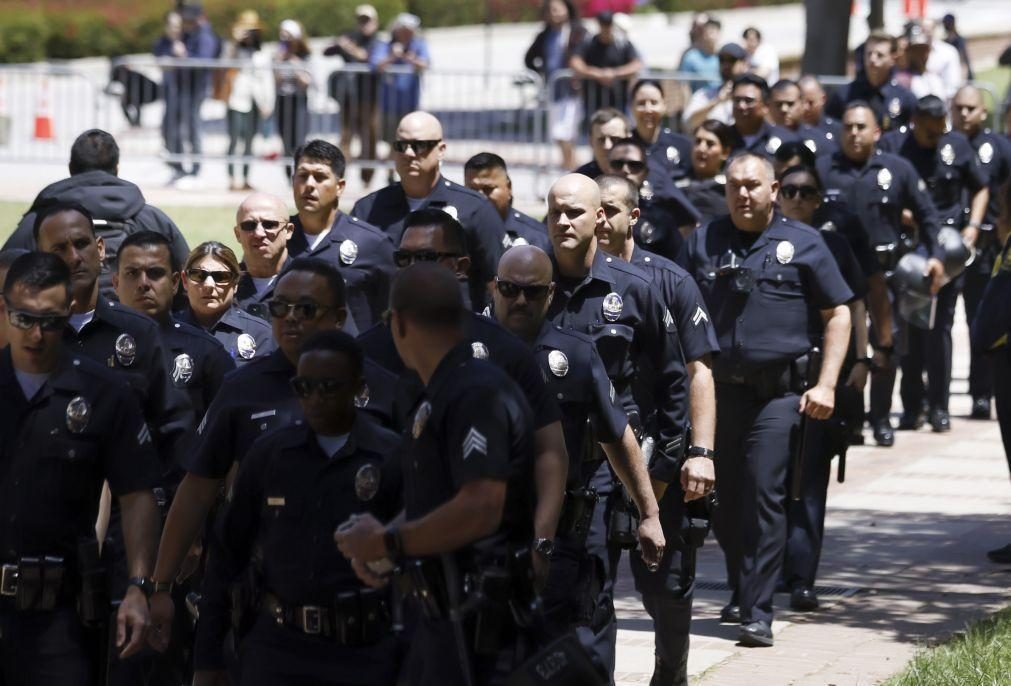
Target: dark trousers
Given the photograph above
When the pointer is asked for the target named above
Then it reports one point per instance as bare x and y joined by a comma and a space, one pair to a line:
182, 122
434, 658
292, 112
1002, 396
754, 439
45, 649
882, 381
806, 517
242, 128
980, 370
930, 351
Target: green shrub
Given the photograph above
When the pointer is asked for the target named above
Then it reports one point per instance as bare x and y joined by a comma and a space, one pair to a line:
22, 37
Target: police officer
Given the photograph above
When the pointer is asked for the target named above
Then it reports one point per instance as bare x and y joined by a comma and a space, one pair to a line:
263, 230
969, 115
418, 152
667, 214
210, 278
887, 195
891, 103
949, 166
769, 283
362, 253
750, 98
576, 375
668, 153
607, 125
468, 505
786, 108
309, 297
486, 173
146, 280
713, 142
7, 258
308, 617
67, 424
812, 111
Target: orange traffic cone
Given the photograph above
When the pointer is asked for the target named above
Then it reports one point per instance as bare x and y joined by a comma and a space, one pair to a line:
43, 115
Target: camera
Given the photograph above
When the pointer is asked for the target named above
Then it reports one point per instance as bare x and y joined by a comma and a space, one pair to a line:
742, 279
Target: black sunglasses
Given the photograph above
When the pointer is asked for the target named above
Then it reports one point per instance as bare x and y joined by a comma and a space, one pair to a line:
805, 192
632, 165
279, 309
218, 277
419, 147
511, 290
305, 386
46, 322
270, 226
405, 258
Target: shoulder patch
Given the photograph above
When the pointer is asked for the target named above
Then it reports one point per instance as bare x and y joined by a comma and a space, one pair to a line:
474, 442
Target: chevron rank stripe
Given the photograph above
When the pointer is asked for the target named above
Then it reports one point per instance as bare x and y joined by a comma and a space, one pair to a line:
474, 441
144, 435
700, 316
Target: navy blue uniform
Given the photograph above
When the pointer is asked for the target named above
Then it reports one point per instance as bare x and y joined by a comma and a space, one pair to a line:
893, 104
388, 207
765, 318
81, 428
834, 218
663, 208
989, 336
522, 229
768, 139
247, 298
473, 424
591, 169
197, 363
708, 196
821, 140
287, 500
364, 256
669, 157
244, 336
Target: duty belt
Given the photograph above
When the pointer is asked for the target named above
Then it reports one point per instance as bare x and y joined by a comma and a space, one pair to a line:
34, 583
357, 618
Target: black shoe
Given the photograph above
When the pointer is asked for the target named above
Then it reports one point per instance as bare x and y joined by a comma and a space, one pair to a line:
1001, 556
884, 436
803, 599
730, 614
911, 422
756, 635
980, 408
940, 421
855, 435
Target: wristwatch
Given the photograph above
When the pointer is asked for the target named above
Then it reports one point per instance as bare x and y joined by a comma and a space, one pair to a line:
161, 586
393, 543
699, 451
145, 584
869, 361
545, 546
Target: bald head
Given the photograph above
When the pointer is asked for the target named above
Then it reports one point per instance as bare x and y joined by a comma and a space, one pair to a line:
417, 153
263, 229
968, 111
419, 125
525, 264
523, 291
574, 214
262, 201
428, 296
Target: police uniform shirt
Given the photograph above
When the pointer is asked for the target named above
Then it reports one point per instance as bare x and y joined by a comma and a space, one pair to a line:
591, 169
197, 363
991, 331
948, 170
483, 228
846, 260
795, 277
81, 428
364, 256
708, 196
473, 424
257, 398
877, 192
833, 217
994, 153
893, 103
244, 336
768, 139
670, 156
522, 229
576, 377
255, 303
818, 139
663, 209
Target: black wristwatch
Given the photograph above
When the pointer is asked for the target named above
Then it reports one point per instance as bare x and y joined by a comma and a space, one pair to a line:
393, 543
545, 546
699, 451
145, 585
864, 360
886, 349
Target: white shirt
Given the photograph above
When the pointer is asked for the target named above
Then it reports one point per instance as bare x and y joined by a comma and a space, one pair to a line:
945, 63
30, 383
765, 63
317, 239
723, 112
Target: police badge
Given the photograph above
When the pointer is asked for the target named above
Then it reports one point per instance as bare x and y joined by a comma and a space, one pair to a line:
895, 108
182, 369
349, 251
948, 154
612, 306
673, 156
451, 211
245, 345
986, 153
884, 179
647, 232
784, 252
362, 399
646, 191
420, 418
480, 350
558, 363
126, 349
773, 145
367, 482
811, 145
78, 413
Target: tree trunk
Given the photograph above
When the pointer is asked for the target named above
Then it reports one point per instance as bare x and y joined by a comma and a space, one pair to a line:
876, 18
828, 28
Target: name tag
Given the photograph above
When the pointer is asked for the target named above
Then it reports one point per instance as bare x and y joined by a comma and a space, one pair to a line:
262, 415
275, 501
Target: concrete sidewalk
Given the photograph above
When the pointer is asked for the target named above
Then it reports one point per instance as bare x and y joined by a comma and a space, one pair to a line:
904, 564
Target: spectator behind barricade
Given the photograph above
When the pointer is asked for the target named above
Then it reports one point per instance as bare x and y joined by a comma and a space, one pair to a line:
552, 49
913, 74
357, 91
248, 91
713, 102
712, 143
953, 38
293, 78
605, 64
944, 61
187, 35
762, 57
399, 92
891, 102
606, 127
701, 57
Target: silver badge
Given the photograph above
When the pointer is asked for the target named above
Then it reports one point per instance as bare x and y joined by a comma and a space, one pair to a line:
647, 231
558, 363
921, 185
126, 349
362, 399
895, 107
612, 306
480, 350
182, 369
246, 346
673, 156
773, 145
811, 145
986, 153
885, 179
828, 226
520, 240
421, 418
367, 482
78, 414
720, 179
784, 252
349, 251
451, 211
646, 191
948, 154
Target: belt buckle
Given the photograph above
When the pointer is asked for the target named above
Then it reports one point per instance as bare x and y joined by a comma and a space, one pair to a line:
312, 619
9, 580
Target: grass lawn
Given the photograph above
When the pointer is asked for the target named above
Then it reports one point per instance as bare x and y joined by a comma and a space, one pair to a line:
980, 657
999, 78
